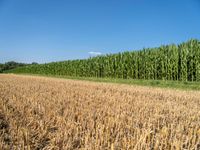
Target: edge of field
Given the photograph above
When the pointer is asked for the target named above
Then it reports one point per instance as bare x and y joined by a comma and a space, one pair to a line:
151, 83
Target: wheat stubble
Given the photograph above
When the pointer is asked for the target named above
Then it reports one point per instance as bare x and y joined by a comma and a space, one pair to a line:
48, 113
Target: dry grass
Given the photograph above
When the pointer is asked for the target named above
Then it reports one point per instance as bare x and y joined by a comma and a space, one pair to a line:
45, 113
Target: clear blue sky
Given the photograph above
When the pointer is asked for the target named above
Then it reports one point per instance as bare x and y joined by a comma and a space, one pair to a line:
55, 30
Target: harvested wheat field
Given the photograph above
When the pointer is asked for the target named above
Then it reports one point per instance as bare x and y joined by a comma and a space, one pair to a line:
48, 113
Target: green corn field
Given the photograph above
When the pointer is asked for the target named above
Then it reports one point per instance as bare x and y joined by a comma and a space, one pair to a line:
169, 62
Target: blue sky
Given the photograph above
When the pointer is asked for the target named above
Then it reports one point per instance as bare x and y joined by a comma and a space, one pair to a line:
55, 30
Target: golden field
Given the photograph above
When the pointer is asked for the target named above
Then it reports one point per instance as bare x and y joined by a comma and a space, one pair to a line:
47, 113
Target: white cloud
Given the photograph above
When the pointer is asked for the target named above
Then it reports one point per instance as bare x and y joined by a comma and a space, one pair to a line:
95, 53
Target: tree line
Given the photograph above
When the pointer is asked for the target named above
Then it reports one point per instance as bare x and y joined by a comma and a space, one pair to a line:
12, 65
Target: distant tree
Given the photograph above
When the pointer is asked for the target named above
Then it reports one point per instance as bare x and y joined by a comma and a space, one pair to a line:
1, 68
34, 63
10, 65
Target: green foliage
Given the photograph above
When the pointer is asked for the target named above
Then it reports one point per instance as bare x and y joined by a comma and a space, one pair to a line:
170, 62
1, 68
10, 65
